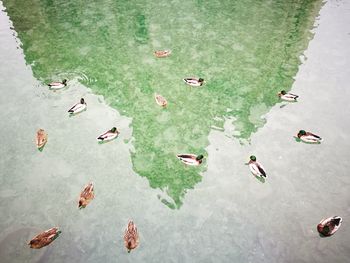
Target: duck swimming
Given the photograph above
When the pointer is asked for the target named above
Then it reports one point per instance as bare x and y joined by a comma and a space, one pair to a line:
194, 82
131, 236
329, 226
41, 138
256, 168
287, 96
190, 159
161, 101
58, 85
108, 135
79, 107
162, 53
308, 137
86, 195
45, 238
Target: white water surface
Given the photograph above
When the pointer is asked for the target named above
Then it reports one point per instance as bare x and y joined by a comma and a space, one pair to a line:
229, 217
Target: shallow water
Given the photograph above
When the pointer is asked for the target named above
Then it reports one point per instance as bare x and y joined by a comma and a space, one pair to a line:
228, 217
246, 51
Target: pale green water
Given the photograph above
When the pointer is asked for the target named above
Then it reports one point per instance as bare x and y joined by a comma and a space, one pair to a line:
246, 51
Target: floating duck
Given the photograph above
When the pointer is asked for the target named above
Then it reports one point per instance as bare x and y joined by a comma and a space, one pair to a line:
41, 138
329, 226
86, 195
131, 236
108, 135
190, 159
308, 137
45, 238
58, 85
161, 101
79, 107
162, 53
287, 96
256, 168
194, 82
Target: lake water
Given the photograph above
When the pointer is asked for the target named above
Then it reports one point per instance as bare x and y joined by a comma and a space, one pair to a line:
246, 52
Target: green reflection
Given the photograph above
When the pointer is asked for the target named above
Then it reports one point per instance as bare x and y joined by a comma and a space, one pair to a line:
246, 51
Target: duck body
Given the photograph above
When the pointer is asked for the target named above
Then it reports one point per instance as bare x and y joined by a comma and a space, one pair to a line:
44, 238
108, 135
41, 138
162, 53
189, 159
309, 137
77, 108
58, 85
331, 227
131, 236
257, 169
288, 96
161, 101
194, 82
86, 195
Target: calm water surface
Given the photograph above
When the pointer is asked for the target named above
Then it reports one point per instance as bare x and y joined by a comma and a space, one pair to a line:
246, 51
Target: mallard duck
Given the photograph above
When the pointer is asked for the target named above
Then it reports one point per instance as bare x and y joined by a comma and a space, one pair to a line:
329, 226
79, 107
86, 195
162, 53
108, 135
45, 238
256, 168
308, 137
190, 159
161, 101
41, 138
287, 96
131, 236
58, 85
194, 82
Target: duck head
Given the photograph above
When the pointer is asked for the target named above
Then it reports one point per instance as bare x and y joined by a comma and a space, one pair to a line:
252, 158
114, 129
301, 133
82, 101
64, 82
199, 157
35, 243
201, 80
82, 203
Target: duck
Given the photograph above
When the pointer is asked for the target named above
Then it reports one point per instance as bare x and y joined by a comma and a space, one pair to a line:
329, 226
308, 137
131, 236
194, 82
86, 195
41, 138
287, 96
161, 101
256, 168
58, 85
108, 135
162, 53
79, 107
44, 238
190, 159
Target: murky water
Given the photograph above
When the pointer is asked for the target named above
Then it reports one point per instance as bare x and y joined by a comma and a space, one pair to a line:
246, 51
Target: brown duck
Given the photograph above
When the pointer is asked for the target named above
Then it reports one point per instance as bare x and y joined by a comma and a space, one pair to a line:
86, 195
131, 236
44, 238
41, 138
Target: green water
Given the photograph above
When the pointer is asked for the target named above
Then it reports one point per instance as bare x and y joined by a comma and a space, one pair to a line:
246, 51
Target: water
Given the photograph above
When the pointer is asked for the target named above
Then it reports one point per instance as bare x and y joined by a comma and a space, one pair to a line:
246, 51
228, 216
